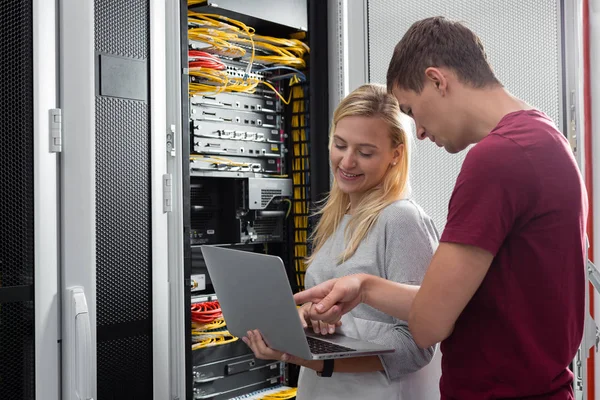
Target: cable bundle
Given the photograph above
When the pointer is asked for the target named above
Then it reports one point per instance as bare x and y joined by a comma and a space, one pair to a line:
289, 52
218, 32
231, 38
202, 59
301, 181
208, 326
281, 395
213, 36
271, 393
206, 312
210, 339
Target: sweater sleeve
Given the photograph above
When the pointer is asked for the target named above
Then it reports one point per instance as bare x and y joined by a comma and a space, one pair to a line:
409, 243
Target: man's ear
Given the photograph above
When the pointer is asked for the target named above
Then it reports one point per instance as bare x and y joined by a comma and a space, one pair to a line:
436, 77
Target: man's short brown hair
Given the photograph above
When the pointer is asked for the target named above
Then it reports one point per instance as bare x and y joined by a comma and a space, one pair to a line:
439, 42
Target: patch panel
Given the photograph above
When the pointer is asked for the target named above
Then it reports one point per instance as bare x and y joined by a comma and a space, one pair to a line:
239, 71
238, 166
235, 117
216, 129
238, 148
243, 102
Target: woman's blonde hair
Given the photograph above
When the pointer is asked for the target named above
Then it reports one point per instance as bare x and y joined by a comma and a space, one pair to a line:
373, 101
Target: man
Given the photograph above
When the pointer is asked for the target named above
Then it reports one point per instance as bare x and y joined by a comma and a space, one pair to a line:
504, 293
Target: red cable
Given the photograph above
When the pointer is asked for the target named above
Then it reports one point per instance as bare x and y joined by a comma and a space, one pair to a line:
587, 109
199, 53
206, 64
206, 312
206, 60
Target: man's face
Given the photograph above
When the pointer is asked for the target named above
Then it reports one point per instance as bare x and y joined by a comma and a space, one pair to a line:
434, 115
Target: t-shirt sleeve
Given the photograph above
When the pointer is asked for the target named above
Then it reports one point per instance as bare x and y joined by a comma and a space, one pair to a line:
410, 241
495, 187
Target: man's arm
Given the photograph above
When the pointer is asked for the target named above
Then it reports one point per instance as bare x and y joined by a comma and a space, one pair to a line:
453, 277
455, 274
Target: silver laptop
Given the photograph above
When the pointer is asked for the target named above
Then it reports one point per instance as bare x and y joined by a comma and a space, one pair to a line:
254, 293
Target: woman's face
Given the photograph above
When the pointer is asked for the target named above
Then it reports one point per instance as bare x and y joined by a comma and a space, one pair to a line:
361, 153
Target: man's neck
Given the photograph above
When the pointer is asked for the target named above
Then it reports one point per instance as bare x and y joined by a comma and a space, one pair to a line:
486, 109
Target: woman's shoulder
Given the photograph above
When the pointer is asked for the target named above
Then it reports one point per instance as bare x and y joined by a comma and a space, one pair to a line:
404, 210
405, 217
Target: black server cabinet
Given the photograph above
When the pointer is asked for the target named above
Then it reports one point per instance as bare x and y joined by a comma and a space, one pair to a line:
17, 331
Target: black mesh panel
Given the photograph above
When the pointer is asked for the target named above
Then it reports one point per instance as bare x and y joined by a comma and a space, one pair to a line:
17, 379
17, 372
127, 366
123, 27
123, 213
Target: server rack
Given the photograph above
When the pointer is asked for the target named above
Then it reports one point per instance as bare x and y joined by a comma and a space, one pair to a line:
246, 171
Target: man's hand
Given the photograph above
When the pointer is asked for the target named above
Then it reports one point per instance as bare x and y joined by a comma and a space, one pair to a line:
333, 298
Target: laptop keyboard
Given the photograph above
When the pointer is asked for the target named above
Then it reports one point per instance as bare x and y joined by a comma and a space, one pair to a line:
318, 346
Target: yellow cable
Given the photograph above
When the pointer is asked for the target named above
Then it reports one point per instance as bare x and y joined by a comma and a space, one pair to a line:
289, 207
217, 160
214, 338
216, 20
277, 93
216, 324
281, 395
212, 343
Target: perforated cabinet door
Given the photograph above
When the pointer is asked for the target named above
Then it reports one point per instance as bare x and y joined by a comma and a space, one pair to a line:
123, 199
17, 353
522, 41
113, 226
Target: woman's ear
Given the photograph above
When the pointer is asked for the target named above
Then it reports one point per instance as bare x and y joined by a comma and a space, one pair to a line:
398, 152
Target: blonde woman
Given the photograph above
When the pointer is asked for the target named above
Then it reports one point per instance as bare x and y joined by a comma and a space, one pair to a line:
368, 225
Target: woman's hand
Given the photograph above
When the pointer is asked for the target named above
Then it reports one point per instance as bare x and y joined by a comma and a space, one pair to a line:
318, 326
334, 298
261, 351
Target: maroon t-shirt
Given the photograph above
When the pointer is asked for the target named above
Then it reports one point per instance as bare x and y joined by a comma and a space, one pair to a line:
519, 195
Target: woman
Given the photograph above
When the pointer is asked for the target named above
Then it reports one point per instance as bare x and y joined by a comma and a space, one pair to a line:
368, 225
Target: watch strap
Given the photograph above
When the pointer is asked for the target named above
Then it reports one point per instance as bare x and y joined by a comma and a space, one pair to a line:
327, 369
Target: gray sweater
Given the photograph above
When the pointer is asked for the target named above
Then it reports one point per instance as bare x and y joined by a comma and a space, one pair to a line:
399, 247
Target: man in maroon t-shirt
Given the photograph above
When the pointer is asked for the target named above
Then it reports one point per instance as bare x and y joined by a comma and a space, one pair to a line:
504, 293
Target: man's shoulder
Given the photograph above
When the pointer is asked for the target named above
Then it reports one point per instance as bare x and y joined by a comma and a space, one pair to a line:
495, 152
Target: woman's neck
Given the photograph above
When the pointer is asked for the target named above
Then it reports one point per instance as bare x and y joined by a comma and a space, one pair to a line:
355, 199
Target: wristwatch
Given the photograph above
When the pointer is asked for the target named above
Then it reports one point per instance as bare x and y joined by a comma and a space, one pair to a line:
327, 369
